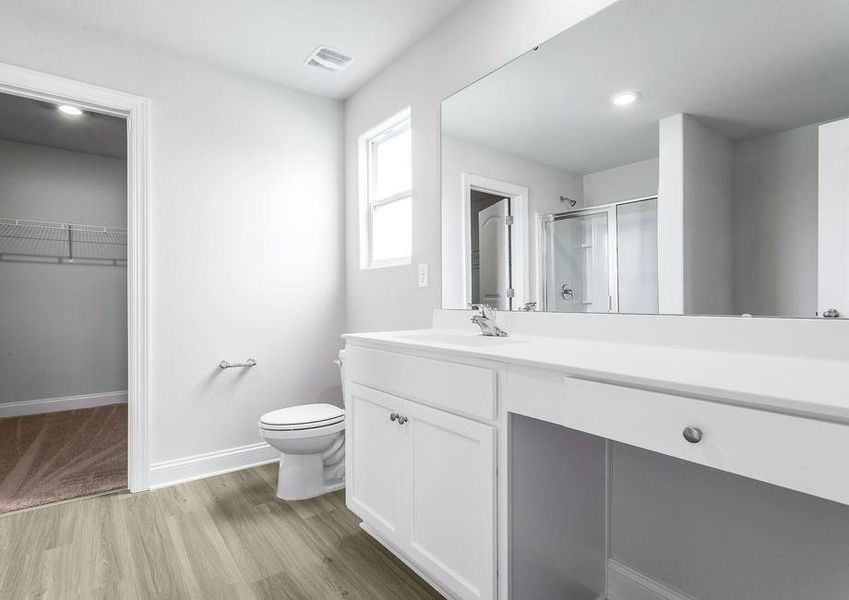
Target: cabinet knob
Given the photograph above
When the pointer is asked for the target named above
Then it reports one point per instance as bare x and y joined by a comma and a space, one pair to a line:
392, 416
693, 434
402, 420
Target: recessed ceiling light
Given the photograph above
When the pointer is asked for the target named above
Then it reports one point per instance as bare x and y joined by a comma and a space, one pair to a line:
70, 110
625, 98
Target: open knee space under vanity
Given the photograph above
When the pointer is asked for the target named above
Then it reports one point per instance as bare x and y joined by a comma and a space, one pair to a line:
594, 518
495, 473
611, 498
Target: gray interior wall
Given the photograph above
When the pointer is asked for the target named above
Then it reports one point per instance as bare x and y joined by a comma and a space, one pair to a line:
557, 512
775, 224
718, 536
707, 179
634, 180
63, 327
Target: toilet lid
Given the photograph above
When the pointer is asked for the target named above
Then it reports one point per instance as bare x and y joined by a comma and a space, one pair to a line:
304, 416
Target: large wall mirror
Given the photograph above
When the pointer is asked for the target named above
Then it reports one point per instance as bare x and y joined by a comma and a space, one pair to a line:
659, 157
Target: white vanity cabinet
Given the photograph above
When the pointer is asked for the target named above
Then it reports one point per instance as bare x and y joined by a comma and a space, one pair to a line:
421, 478
803, 454
451, 494
375, 464
426, 475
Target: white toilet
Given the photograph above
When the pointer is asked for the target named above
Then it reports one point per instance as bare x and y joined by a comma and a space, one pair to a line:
311, 441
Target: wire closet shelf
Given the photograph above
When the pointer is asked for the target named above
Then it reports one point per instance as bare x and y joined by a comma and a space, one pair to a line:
45, 241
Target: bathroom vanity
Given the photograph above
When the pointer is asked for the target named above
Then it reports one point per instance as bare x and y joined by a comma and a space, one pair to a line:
479, 459
637, 163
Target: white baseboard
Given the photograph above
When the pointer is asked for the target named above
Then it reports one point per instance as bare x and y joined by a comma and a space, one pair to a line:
172, 472
625, 583
46, 405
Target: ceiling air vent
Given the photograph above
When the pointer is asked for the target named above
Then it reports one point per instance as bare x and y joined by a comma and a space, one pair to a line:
329, 59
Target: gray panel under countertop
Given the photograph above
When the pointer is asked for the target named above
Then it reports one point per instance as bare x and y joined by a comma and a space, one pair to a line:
558, 512
718, 536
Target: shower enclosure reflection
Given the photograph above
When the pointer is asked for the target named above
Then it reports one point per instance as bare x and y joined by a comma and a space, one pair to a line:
601, 259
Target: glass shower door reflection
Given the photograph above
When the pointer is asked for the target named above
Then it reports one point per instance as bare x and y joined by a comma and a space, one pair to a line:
636, 257
577, 267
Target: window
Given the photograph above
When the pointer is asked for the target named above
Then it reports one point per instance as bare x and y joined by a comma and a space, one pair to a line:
386, 194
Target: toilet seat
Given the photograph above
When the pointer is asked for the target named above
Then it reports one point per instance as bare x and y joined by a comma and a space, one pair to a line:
302, 417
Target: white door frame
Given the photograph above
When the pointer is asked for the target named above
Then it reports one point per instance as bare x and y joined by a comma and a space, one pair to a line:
518, 233
136, 110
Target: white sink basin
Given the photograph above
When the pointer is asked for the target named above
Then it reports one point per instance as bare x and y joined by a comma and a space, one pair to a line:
458, 339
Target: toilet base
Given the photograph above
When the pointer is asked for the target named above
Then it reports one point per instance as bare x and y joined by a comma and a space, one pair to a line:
301, 476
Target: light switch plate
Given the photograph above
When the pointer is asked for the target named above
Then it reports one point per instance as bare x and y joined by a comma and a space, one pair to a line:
423, 275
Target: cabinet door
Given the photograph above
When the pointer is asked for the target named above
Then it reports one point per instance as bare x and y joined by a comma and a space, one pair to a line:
450, 474
373, 461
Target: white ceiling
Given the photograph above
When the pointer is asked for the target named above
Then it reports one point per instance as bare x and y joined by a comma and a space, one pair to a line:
266, 38
746, 68
36, 122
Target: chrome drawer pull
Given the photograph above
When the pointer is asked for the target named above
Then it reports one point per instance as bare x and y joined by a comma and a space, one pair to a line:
402, 420
228, 365
693, 434
393, 416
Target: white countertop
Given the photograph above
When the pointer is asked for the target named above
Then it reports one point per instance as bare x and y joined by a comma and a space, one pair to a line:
816, 388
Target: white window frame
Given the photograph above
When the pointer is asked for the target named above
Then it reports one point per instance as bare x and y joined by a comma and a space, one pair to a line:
386, 130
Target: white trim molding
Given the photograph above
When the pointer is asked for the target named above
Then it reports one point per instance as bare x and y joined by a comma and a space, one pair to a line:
48, 405
136, 110
625, 583
172, 472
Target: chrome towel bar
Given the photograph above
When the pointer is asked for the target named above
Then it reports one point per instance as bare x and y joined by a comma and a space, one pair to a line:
248, 363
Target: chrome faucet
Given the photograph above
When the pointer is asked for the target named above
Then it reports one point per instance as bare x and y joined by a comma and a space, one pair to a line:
486, 321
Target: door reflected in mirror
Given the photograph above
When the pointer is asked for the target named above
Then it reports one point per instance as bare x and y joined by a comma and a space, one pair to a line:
719, 187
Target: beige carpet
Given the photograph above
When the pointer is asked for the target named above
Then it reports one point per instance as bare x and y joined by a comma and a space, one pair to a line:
61, 455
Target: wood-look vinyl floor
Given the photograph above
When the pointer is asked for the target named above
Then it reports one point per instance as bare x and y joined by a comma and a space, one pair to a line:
226, 537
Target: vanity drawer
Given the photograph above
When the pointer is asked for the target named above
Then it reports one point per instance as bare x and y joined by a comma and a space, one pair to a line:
459, 388
795, 452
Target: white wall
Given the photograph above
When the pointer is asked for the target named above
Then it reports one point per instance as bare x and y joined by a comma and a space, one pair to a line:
246, 249
436, 67
634, 180
695, 242
708, 244
775, 224
63, 327
545, 186
670, 216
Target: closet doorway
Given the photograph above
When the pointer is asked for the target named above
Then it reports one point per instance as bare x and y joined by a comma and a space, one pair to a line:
63, 302
73, 289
